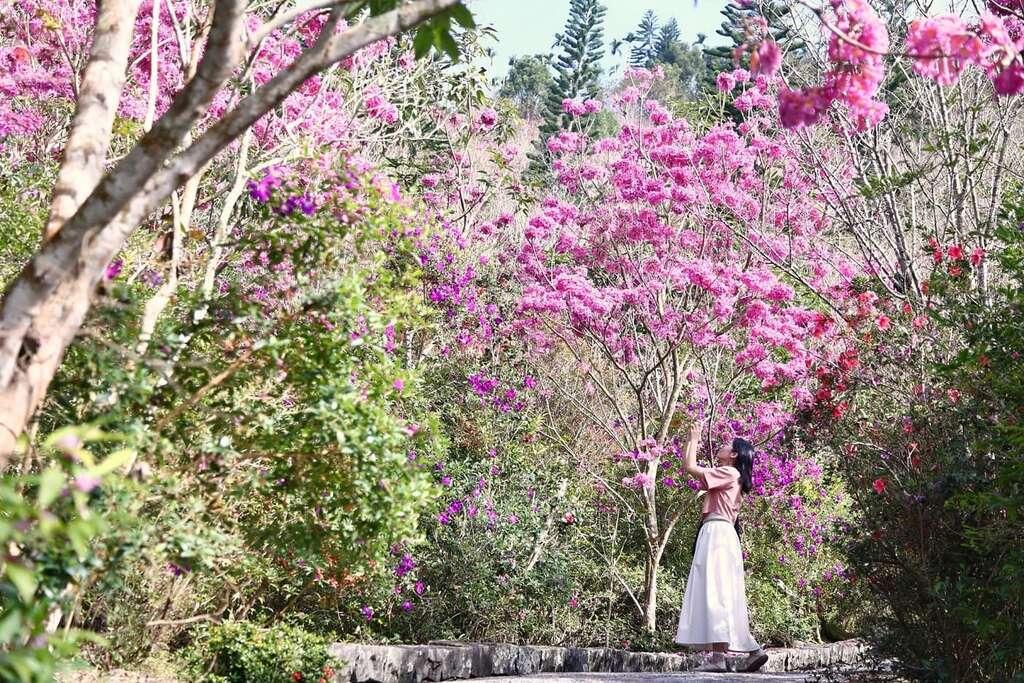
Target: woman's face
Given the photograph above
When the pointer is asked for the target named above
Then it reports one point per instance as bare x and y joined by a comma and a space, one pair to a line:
725, 456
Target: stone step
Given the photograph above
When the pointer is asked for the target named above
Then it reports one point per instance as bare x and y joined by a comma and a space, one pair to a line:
450, 660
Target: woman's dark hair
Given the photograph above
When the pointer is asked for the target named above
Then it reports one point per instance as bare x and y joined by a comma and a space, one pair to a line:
744, 452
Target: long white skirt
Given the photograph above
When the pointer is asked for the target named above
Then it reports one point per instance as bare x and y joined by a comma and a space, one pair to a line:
715, 604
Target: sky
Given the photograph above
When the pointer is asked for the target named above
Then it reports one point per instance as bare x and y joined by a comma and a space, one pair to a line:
529, 26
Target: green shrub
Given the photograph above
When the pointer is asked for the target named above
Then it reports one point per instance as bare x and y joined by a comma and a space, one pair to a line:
47, 521
244, 652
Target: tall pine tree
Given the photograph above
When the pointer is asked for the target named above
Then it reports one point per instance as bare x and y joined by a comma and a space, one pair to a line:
645, 42
578, 67
734, 30
668, 37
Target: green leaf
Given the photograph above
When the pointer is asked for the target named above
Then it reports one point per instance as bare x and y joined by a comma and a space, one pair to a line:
50, 484
79, 533
23, 579
444, 41
461, 14
113, 462
10, 626
422, 42
381, 6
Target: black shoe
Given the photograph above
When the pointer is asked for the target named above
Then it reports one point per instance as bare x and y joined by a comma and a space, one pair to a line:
753, 662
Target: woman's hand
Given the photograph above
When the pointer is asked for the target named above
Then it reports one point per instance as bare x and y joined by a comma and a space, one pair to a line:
696, 429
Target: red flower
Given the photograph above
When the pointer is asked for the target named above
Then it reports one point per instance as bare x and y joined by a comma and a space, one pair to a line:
840, 410
297, 676
955, 252
883, 322
879, 486
925, 286
849, 360
955, 271
821, 325
984, 361
977, 256
915, 460
20, 54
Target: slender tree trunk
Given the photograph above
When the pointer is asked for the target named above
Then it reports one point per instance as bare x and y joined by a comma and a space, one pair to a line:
181, 223
650, 615
656, 544
545, 534
98, 96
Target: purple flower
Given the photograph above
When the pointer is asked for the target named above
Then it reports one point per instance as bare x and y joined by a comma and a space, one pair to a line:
305, 204
367, 612
113, 269
419, 588
151, 277
405, 565
487, 118
407, 606
262, 189
446, 481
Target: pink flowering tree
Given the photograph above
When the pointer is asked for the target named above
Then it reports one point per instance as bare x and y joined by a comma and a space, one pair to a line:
676, 277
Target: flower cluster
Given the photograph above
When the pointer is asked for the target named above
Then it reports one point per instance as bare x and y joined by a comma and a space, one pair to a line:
941, 47
857, 45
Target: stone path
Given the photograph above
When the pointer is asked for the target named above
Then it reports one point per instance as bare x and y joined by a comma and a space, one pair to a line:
688, 677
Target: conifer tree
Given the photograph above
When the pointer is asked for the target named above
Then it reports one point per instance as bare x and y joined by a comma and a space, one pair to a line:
645, 42
734, 30
577, 68
668, 38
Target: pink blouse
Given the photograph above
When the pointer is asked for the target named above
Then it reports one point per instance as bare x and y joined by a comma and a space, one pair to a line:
724, 494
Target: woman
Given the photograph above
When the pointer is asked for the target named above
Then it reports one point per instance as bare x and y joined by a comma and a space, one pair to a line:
714, 614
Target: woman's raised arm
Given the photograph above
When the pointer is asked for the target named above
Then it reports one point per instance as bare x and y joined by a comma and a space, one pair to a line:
691, 451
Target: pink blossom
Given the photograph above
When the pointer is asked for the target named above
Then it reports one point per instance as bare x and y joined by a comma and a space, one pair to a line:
486, 118
86, 482
941, 47
767, 58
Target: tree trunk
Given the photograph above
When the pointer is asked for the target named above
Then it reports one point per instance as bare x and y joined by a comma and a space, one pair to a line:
655, 550
650, 615
98, 96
